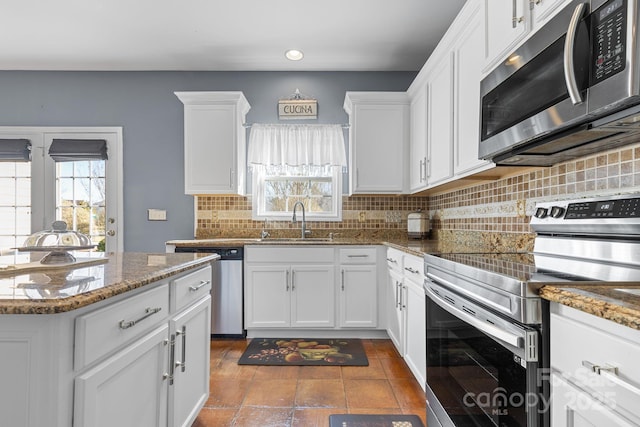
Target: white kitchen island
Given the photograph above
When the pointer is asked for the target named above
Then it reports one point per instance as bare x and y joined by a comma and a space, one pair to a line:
111, 342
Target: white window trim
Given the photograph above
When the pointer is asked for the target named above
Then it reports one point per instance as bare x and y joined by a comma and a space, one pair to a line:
334, 216
115, 171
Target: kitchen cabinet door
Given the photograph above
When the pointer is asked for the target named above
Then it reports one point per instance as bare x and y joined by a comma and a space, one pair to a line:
416, 335
358, 296
543, 10
468, 57
507, 22
214, 142
313, 296
440, 122
418, 145
128, 389
267, 300
191, 332
395, 324
378, 142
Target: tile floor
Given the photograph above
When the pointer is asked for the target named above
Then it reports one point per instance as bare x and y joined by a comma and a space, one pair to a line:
305, 396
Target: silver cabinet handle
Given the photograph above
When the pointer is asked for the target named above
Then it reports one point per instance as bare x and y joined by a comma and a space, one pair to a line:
411, 270
358, 256
611, 373
182, 364
399, 295
230, 177
172, 358
293, 280
287, 282
196, 287
569, 67
401, 304
421, 170
515, 20
342, 272
404, 303
392, 260
147, 312
424, 166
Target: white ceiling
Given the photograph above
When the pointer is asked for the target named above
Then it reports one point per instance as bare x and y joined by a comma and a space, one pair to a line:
335, 35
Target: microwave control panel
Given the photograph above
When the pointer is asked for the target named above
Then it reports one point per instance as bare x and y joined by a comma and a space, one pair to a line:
608, 25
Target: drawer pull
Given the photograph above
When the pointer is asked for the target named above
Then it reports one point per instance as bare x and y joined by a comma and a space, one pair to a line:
196, 287
358, 256
392, 260
147, 312
611, 373
411, 270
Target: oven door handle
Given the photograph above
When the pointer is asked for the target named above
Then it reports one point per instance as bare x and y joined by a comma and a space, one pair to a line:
569, 66
487, 328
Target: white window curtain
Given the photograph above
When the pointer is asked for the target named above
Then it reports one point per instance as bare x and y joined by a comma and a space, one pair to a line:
303, 148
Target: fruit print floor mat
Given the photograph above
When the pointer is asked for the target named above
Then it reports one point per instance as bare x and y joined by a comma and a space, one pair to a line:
301, 352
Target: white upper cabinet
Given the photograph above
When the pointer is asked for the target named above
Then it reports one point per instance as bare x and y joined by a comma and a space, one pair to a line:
214, 142
418, 144
440, 121
468, 57
506, 22
378, 142
509, 22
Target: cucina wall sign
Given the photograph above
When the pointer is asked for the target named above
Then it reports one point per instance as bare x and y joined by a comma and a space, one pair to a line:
297, 107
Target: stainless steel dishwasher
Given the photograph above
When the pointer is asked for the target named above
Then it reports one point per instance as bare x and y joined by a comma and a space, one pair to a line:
227, 290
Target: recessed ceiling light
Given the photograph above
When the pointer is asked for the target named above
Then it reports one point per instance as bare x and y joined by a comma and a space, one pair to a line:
294, 55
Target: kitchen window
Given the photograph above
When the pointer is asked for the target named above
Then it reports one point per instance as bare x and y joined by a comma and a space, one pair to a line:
294, 163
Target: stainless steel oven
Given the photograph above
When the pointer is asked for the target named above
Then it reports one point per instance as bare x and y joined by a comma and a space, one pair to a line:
487, 328
482, 370
571, 89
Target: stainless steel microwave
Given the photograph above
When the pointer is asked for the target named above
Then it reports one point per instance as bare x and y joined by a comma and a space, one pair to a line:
571, 89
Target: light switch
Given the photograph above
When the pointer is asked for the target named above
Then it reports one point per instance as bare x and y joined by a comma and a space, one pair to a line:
157, 214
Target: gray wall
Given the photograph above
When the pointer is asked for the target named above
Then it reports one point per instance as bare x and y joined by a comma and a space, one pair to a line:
143, 103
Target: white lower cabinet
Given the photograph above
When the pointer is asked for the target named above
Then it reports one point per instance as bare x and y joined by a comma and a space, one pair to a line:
415, 354
395, 325
310, 287
288, 295
406, 325
189, 380
358, 296
595, 376
128, 389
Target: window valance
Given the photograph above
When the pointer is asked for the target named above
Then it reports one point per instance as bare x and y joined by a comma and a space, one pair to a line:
15, 150
298, 145
71, 150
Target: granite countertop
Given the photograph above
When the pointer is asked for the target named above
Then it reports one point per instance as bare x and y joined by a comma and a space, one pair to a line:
97, 276
413, 246
619, 303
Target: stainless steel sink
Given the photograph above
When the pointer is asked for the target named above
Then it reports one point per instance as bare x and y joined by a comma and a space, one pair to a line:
296, 239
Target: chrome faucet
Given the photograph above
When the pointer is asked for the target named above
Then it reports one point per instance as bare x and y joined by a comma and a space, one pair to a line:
304, 219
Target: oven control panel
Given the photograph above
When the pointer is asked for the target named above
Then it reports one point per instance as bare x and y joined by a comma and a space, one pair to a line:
622, 208
613, 215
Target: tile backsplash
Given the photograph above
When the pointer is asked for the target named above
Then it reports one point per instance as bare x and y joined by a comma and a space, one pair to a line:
362, 216
495, 213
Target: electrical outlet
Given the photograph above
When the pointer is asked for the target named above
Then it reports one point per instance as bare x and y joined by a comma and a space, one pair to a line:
156, 214
362, 216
